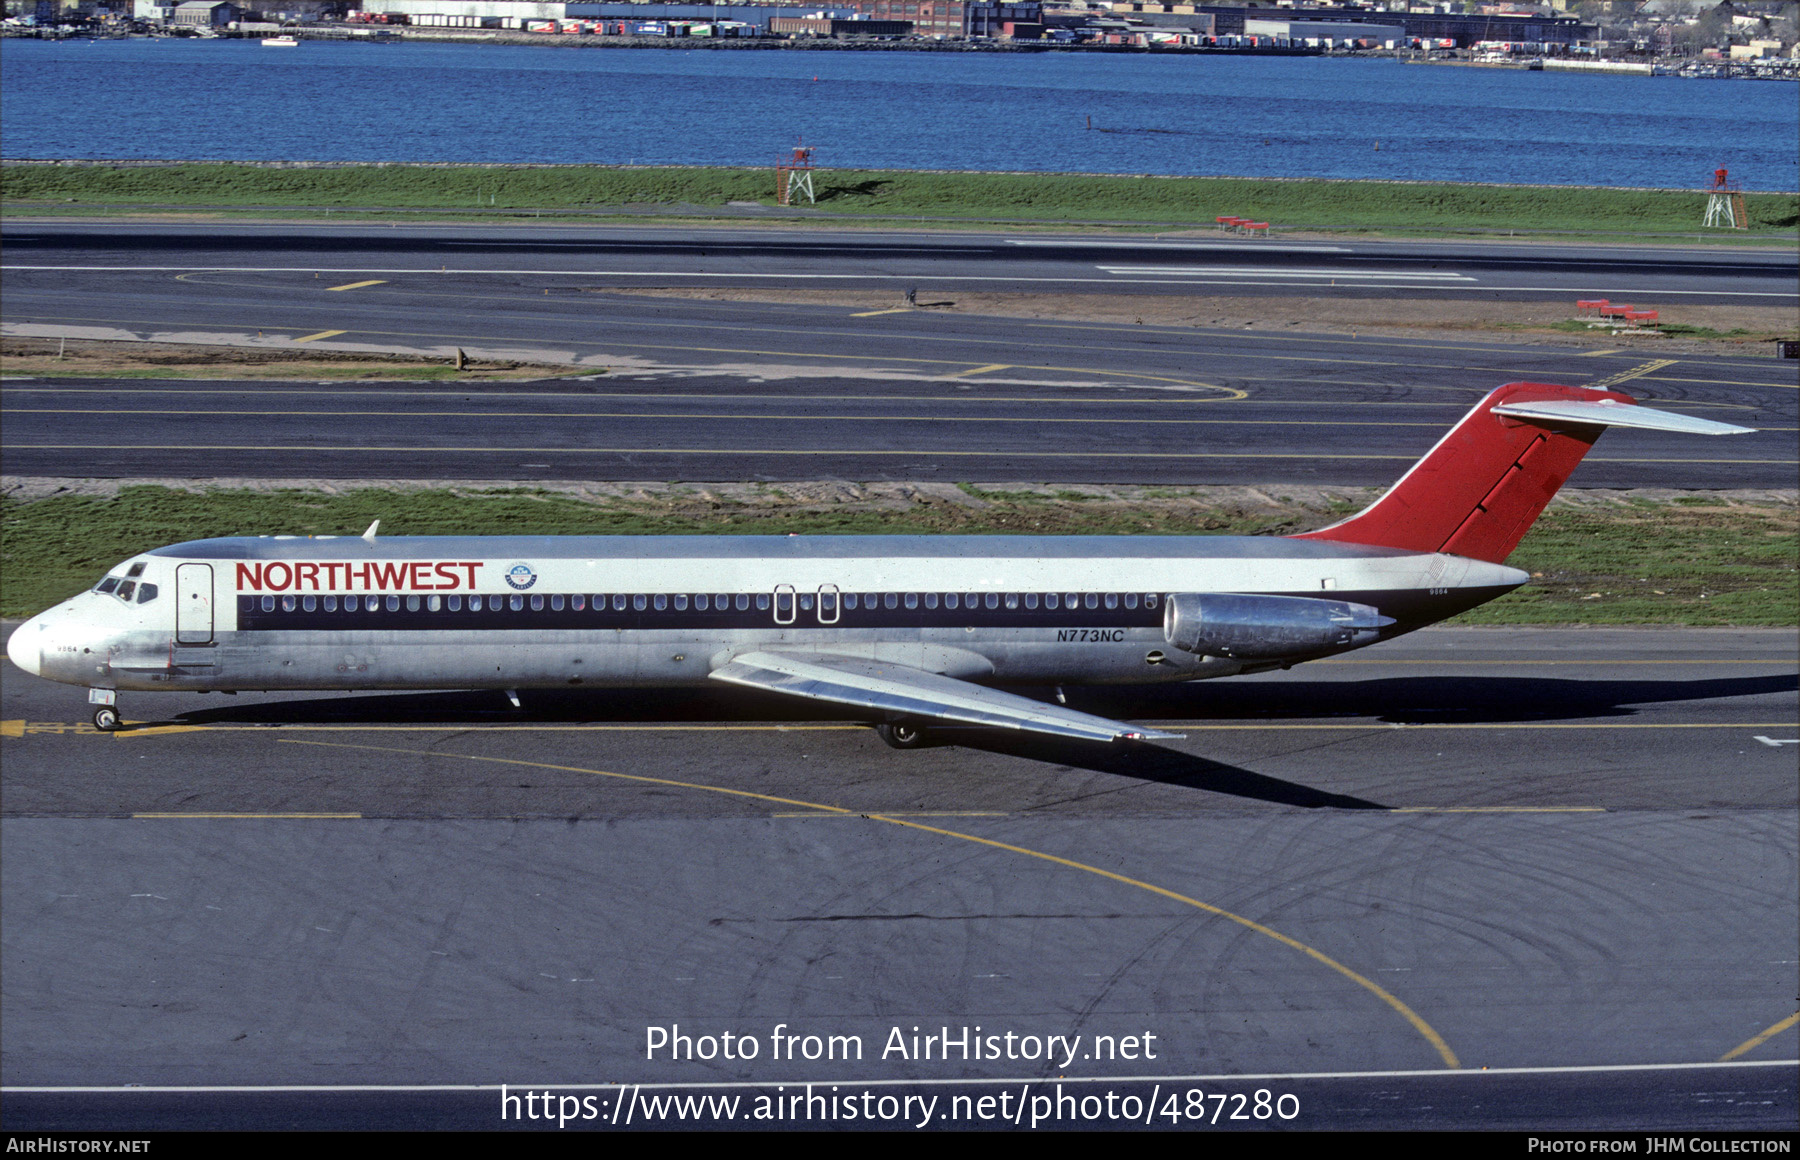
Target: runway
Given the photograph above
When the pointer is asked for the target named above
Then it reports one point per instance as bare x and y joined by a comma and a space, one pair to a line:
711, 428
716, 256
737, 390
717, 390
1488, 848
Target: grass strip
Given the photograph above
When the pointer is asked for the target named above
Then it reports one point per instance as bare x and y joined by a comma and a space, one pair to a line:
1047, 197
1682, 561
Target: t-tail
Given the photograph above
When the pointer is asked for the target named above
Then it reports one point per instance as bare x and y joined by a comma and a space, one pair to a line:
1481, 488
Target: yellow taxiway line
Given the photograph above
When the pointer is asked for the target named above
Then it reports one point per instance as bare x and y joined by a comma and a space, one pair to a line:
1760, 1038
1412, 1018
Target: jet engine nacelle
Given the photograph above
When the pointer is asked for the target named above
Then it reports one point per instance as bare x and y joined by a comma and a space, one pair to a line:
1224, 624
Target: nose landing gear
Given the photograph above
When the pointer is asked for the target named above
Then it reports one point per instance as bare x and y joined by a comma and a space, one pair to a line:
106, 709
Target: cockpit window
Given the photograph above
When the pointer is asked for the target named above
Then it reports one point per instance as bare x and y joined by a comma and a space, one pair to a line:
127, 588
136, 570
146, 593
107, 585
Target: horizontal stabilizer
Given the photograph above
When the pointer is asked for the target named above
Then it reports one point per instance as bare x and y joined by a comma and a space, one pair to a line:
1477, 492
1608, 413
900, 691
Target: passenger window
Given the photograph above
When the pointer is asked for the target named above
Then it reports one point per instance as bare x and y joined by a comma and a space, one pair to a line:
951, 600
577, 602
474, 604
268, 604
806, 602
1052, 600
993, 600
701, 602
412, 604
556, 604
147, 593
912, 599
287, 604
433, 603
1031, 600
681, 602
393, 604
1131, 600
126, 590
107, 585
1092, 600
660, 602
849, 600
1071, 601
931, 600
517, 603
1012, 601
618, 602
308, 603
453, 603
1149, 600
537, 604
1112, 600
331, 604
349, 604
637, 602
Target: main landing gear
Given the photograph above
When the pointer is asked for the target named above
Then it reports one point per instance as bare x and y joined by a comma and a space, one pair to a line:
904, 734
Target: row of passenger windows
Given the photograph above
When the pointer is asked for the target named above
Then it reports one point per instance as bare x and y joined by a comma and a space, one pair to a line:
782, 602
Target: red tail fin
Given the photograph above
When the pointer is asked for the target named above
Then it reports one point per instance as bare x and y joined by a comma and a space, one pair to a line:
1478, 491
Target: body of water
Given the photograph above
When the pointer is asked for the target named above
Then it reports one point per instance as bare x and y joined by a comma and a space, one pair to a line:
1214, 115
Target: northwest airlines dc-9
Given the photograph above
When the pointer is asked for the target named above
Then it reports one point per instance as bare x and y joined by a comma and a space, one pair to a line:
908, 631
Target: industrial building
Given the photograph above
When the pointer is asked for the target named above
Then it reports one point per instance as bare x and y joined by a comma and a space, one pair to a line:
523, 13
206, 14
1460, 29
933, 18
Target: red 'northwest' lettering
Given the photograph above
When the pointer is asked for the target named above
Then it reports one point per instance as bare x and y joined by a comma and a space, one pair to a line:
280, 576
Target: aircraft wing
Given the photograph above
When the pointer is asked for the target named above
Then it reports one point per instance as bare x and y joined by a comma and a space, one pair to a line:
905, 691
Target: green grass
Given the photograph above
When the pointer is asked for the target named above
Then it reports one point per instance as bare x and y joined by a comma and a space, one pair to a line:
1713, 564
1356, 205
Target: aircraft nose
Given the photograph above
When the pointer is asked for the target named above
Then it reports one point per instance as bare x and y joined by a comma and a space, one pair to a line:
25, 646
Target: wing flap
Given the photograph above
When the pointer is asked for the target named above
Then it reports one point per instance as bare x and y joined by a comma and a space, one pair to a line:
904, 691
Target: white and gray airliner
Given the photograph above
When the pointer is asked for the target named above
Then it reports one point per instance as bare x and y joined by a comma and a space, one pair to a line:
908, 631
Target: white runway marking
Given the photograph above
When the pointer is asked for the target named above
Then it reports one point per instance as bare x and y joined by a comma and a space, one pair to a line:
1165, 280
1282, 272
1259, 247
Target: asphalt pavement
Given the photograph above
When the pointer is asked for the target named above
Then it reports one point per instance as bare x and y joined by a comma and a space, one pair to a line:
1501, 849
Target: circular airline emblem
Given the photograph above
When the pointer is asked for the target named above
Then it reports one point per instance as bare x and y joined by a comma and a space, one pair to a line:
521, 576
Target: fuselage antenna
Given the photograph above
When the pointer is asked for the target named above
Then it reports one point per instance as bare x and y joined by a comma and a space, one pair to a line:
369, 536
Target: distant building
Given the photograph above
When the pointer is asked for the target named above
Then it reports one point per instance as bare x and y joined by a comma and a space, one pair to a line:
518, 13
206, 14
838, 29
954, 18
1333, 32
